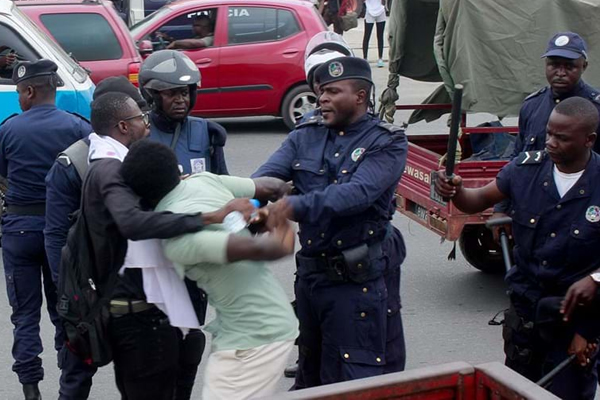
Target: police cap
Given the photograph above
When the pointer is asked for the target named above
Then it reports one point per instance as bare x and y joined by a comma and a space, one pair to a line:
31, 69
567, 45
342, 68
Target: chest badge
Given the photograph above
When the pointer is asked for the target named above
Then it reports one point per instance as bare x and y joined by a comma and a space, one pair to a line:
593, 214
357, 153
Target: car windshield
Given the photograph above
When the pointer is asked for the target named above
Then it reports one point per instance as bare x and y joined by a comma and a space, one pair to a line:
140, 26
79, 73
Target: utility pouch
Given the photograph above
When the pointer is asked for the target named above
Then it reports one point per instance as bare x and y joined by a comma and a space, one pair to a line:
518, 337
358, 263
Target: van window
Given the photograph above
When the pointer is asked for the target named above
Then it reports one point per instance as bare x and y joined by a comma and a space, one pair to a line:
260, 24
12, 42
89, 28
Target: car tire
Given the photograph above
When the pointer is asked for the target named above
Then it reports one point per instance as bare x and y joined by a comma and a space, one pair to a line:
477, 245
297, 102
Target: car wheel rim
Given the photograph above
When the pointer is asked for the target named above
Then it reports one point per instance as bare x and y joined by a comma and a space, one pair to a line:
301, 104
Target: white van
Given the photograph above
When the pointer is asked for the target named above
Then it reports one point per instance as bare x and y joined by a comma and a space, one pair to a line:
18, 34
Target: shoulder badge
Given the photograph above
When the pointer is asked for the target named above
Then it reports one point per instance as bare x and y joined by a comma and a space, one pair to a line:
7, 118
536, 93
531, 157
79, 116
313, 120
595, 97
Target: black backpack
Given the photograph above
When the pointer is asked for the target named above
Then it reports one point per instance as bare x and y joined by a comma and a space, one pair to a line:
83, 308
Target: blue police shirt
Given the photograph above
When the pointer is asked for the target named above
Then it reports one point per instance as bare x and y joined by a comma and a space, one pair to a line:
345, 182
29, 144
536, 110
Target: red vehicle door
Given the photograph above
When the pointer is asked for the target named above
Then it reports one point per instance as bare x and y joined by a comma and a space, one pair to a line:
179, 26
263, 55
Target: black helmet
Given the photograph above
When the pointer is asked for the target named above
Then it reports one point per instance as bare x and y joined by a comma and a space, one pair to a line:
168, 69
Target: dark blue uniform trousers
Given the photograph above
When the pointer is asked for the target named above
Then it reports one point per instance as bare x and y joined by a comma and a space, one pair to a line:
25, 264
342, 329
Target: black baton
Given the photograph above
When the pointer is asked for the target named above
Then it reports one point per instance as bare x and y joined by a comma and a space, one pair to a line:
454, 126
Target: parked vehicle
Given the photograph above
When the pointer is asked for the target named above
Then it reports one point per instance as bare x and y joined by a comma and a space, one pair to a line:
255, 65
20, 35
91, 31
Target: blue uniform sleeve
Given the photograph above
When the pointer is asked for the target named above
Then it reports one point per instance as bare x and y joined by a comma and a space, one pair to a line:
279, 165
375, 174
520, 142
3, 161
63, 194
503, 179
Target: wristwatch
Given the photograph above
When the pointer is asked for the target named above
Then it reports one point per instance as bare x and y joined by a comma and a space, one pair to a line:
596, 277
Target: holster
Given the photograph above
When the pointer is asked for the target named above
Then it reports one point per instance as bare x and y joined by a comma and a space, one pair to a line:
516, 333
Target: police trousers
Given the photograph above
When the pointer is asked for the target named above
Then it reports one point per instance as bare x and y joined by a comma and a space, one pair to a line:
151, 358
528, 354
342, 329
27, 273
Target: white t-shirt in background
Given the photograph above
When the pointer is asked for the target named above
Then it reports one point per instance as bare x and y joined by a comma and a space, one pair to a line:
374, 7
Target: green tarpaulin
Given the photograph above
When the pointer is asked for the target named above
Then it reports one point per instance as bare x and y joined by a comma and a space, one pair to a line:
492, 47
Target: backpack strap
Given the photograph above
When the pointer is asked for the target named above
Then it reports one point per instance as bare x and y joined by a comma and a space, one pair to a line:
76, 154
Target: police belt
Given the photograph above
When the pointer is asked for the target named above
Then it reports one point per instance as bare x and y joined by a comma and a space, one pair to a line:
33, 209
126, 306
339, 267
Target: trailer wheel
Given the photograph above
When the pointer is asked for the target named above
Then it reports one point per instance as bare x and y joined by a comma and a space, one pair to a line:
477, 244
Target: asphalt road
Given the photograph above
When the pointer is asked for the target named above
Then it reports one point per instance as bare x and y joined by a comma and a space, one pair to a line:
446, 304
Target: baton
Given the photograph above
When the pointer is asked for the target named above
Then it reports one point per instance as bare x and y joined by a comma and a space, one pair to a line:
453, 137
545, 381
490, 223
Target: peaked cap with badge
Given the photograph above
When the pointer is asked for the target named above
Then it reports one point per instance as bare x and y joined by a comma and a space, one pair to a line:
567, 45
342, 68
31, 69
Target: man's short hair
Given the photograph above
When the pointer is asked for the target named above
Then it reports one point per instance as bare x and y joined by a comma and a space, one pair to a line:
108, 110
205, 17
45, 84
361, 84
151, 170
582, 109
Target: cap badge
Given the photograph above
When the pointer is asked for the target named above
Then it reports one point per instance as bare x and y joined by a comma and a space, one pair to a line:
561, 40
336, 69
357, 153
21, 71
593, 214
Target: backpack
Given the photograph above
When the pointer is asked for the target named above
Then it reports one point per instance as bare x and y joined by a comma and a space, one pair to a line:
83, 308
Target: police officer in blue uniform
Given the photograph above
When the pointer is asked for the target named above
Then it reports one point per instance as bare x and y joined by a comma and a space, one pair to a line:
198, 145
566, 60
29, 143
345, 171
556, 227
63, 196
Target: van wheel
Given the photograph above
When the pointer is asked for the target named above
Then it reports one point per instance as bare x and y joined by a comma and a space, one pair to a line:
296, 103
477, 244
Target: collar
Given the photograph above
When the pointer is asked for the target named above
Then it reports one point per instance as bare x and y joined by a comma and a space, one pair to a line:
164, 123
355, 127
582, 188
106, 147
43, 107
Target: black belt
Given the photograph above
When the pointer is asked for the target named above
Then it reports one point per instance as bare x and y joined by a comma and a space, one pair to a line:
326, 263
33, 209
125, 306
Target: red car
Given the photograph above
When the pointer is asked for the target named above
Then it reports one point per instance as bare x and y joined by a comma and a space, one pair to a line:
91, 31
255, 64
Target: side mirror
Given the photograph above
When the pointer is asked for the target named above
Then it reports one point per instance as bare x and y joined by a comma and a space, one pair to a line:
145, 48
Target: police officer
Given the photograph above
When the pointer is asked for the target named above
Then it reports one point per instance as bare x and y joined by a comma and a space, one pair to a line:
345, 171
556, 220
63, 196
566, 60
198, 144
29, 143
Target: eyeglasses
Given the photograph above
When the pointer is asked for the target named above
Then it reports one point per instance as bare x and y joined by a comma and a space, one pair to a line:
144, 116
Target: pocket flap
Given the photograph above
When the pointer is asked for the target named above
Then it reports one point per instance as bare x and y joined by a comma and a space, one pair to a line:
316, 167
361, 356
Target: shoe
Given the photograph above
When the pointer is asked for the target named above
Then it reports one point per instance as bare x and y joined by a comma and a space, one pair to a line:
31, 391
380, 63
290, 372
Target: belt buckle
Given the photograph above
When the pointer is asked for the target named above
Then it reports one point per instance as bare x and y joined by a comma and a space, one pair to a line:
337, 268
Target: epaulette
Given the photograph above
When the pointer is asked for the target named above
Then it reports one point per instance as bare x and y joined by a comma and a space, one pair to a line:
80, 116
313, 120
536, 93
531, 157
595, 97
391, 128
63, 160
7, 118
